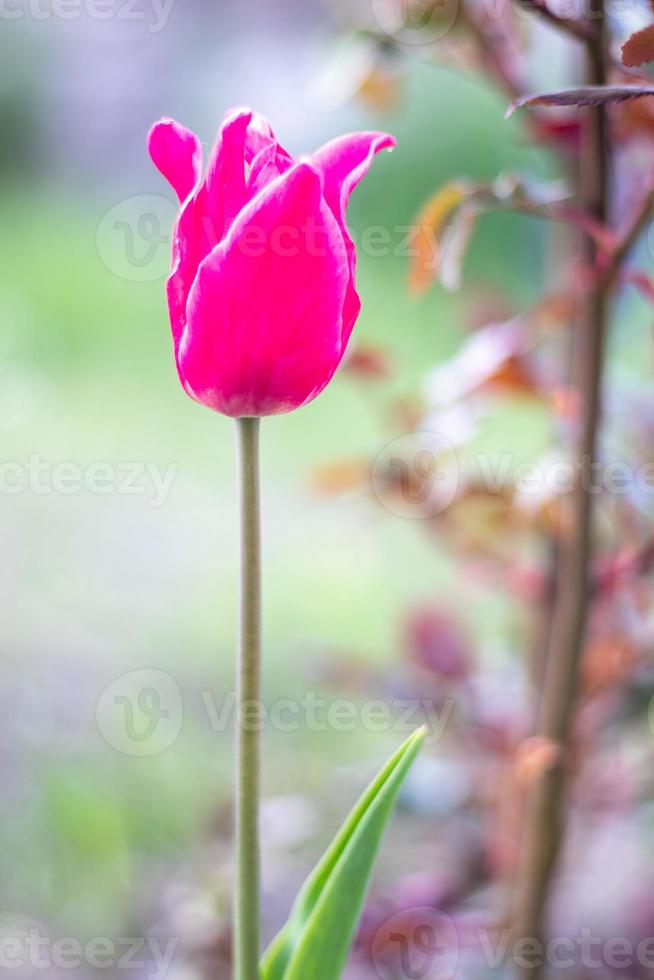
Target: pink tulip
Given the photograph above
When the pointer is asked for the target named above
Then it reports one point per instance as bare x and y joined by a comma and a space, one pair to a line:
262, 293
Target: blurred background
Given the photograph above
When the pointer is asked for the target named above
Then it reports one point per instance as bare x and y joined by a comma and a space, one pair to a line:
118, 511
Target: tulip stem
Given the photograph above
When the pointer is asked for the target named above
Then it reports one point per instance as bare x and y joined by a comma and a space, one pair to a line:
246, 912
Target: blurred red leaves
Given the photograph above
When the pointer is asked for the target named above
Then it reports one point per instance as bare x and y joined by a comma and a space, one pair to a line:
339, 477
369, 363
446, 223
534, 758
639, 48
435, 643
431, 224
506, 542
608, 661
643, 283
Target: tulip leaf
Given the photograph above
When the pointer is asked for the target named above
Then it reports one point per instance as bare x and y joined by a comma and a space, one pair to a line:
315, 942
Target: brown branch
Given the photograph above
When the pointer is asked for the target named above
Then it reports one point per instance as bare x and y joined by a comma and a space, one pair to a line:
568, 214
544, 826
489, 41
576, 28
636, 227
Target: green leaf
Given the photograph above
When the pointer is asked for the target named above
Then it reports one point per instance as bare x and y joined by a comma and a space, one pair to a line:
315, 942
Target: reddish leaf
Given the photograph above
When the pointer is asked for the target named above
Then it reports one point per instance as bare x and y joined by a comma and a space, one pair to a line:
637, 116
565, 133
534, 758
380, 89
611, 571
639, 48
607, 661
513, 375
431, 224
566, 402
641, 281
589, 95
368, 362
445, 225
339, 477
436, 643
491, 357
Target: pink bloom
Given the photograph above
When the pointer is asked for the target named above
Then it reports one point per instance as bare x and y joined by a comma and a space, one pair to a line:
262, 296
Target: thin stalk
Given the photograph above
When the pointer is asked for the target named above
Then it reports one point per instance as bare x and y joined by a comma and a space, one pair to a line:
246, 911
545, 812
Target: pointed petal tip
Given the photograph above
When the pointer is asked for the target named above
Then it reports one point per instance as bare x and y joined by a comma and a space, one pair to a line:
379, 140
165, 123
176, 153
386, 141
240, 110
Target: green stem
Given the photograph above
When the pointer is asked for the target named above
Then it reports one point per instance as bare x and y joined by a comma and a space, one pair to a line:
246, 928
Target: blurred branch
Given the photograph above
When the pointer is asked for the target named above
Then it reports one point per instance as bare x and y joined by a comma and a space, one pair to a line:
491, 45
545, 812
636, 227
574, 27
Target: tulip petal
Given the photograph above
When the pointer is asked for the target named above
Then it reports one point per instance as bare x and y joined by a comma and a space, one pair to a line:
206, 216
246, 140
263, 324
269, 163
225, 180
177, 153
261, 136
343, 162
266, 157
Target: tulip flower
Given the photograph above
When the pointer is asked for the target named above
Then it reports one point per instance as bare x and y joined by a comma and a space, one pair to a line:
262, 300
262, 294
